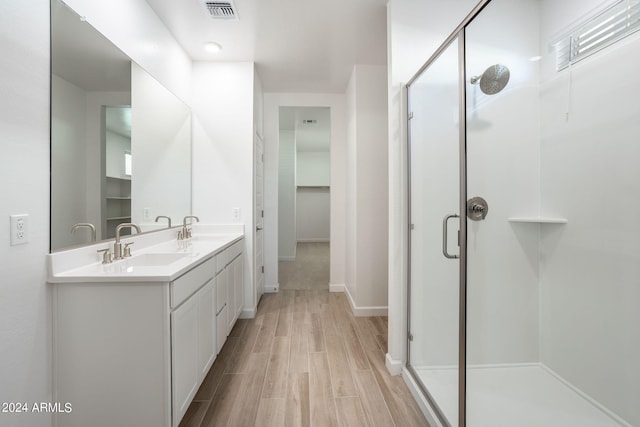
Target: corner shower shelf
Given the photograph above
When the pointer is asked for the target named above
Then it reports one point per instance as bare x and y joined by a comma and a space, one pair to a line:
538, 219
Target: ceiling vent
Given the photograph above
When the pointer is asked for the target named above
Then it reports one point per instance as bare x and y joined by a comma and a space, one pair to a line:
221, 10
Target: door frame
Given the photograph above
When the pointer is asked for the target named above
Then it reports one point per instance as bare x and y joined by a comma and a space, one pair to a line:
258, 212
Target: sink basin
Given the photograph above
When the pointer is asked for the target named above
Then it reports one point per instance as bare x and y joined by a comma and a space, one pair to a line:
154, 260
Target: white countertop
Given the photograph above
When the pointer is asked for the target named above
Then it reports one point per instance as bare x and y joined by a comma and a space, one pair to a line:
156, 257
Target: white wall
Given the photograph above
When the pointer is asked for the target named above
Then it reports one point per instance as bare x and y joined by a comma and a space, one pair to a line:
367, 190
313, 213
286, 196
415, 29
272, 103
25, 302
223, 130
313, 168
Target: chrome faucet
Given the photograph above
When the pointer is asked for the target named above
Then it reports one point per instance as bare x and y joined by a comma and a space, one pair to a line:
117, 246
164, 216
85, 224
186, 232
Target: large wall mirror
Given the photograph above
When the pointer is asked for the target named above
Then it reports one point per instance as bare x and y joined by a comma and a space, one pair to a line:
120, 141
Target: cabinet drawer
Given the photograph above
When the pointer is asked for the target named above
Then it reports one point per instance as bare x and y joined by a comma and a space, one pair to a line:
188, 283
234, 250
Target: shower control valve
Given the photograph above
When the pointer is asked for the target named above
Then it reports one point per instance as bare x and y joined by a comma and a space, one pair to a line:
477, 209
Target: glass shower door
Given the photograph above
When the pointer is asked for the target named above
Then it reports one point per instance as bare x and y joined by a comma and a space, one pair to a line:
434, 157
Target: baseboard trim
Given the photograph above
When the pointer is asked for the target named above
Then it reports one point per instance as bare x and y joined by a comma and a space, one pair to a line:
334, 287
365, 311
287, 258
393, 366
318, 240
272, 289
248, 313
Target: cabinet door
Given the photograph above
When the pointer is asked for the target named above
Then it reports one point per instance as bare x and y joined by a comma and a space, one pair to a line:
231, 297
221, 326
221, 290
206, 327
238, 276
184, 360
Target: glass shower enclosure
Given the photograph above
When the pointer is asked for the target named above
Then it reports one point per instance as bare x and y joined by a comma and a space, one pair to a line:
524, 185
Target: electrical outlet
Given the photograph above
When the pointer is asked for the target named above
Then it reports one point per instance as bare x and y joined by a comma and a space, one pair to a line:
146, 214
19, 229
236, 213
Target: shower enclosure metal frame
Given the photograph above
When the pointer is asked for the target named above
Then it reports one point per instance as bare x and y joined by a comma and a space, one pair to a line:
515, 330
459, 34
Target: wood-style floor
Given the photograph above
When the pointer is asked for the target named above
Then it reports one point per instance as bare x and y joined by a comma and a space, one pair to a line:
304, 360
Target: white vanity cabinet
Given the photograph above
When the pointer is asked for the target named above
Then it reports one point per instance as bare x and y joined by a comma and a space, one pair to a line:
135, 352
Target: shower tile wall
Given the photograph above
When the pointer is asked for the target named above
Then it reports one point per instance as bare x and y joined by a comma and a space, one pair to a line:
556, 144
590, 270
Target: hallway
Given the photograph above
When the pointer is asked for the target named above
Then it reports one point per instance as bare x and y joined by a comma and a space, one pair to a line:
305, 360
310, 270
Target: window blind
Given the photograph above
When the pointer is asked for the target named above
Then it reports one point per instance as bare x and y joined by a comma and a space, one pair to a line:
619, 20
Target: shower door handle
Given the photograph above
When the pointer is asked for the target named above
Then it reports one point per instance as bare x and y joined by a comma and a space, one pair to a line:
445, 230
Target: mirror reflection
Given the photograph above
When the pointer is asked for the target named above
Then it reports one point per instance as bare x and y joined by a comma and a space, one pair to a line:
120, 141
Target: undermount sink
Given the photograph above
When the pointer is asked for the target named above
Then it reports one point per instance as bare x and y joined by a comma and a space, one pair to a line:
154, 260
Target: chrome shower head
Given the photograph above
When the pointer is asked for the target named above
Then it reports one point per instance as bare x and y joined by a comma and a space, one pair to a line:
493, 80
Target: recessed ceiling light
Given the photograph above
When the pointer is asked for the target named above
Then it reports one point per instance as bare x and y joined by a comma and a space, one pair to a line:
212, 47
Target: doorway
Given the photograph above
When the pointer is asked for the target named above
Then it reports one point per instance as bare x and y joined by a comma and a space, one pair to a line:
304, 197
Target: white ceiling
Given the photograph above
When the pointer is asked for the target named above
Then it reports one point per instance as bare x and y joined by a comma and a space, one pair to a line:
297, 45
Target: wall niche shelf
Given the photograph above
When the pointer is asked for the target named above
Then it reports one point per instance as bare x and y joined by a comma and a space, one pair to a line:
538, 220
